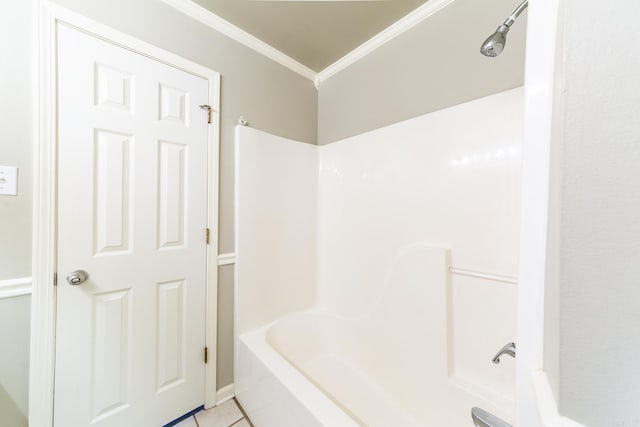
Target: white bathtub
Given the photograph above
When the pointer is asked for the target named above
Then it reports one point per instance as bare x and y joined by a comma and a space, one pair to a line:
390, 366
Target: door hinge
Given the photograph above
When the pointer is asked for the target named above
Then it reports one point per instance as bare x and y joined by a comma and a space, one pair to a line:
208, 110
207, 235
55, 279
206, 355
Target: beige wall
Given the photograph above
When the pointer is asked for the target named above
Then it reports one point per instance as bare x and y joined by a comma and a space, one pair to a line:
225, 325
14, 358
435, 65
16, 136
15, 211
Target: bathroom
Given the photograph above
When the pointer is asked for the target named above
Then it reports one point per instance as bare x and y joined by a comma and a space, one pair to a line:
381, 221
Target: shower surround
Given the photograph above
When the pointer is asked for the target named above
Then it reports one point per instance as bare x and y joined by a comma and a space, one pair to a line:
347, 310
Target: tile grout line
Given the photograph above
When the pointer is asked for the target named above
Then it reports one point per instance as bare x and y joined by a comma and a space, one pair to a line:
196, 420
246, 417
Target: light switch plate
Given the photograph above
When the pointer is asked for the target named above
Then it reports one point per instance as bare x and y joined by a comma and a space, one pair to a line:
8, 180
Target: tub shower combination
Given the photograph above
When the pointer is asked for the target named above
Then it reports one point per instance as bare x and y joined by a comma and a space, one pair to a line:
369, 271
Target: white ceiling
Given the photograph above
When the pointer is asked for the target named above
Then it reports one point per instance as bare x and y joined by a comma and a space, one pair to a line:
314, 33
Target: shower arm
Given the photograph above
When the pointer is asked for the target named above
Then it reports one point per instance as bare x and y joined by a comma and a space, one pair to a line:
512, 18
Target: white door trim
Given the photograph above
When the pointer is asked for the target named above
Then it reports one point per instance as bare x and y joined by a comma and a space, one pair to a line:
43, 310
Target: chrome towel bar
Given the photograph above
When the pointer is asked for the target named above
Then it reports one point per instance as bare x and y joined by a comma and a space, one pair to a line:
481, 275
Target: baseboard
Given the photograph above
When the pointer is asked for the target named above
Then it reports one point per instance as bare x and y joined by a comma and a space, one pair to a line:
225, 393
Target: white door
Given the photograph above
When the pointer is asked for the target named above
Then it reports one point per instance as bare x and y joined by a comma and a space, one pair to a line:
132, 209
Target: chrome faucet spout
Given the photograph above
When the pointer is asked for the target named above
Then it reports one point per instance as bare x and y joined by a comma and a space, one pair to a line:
482, 418
509, 349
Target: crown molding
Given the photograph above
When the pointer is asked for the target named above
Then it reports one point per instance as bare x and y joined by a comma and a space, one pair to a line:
404, 24
205, 16
199, 13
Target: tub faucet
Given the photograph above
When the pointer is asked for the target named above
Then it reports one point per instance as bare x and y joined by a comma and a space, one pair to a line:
482, 418
509, 348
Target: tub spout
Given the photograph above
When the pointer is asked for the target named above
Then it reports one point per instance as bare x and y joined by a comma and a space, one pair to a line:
482, 418
509, 348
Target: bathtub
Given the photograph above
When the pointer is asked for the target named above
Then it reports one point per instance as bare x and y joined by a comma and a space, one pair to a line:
387, 367
346, 313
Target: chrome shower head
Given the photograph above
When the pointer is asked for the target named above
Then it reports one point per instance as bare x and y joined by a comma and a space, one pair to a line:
494, 44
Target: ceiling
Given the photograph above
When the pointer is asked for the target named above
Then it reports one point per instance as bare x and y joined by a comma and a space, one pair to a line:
314, 33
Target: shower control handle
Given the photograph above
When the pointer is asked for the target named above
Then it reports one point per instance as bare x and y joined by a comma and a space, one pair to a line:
77, 277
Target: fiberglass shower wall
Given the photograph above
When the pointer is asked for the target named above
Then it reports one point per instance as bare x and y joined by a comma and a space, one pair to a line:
348, 209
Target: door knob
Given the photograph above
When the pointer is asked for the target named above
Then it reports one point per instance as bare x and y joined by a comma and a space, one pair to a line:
77, 277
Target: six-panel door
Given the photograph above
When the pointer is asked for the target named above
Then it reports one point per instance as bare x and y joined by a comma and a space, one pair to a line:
132, 208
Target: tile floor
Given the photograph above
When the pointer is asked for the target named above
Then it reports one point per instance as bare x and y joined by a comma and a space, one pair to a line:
225, 415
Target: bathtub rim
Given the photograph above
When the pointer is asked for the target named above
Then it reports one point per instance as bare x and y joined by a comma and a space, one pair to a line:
315, 401
322, 407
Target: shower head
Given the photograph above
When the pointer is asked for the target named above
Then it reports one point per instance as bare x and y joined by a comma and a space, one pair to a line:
494, 44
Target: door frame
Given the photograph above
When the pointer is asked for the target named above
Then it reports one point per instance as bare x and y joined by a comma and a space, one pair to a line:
47, 17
